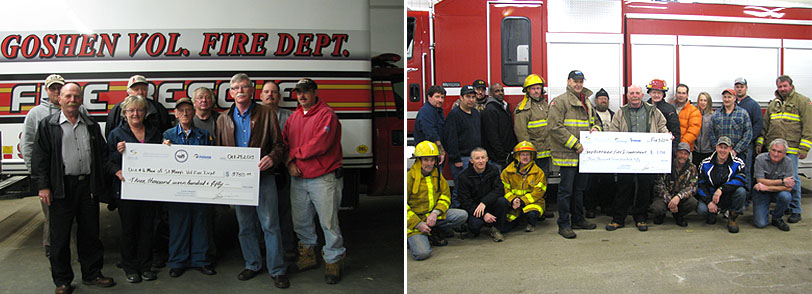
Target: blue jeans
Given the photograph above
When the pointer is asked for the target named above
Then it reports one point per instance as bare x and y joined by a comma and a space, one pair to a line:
726, 202
318, 196
795, 203
571, 196
761, 206
188, 234
266, 216
456, 171
419, 244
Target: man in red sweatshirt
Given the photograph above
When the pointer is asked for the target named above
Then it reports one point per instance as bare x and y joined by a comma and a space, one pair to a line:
313, 135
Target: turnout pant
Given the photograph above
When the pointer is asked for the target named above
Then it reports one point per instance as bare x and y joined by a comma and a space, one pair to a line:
79, 205
502, 223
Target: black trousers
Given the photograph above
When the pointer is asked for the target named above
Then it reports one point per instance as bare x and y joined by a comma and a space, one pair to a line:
600, 191
633, 195
79, 205
136, 234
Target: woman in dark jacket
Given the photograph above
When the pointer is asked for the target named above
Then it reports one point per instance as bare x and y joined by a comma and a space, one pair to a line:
136, 216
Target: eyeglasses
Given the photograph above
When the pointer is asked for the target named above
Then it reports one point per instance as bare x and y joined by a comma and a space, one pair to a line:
240, 88
135, 111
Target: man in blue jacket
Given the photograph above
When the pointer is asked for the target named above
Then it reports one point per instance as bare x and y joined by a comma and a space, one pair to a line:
721, 185
429, 123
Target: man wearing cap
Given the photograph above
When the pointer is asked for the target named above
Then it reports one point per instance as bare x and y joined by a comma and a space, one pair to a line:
430, 120
721, 185
248, 124
49, 104
462, 134
634, 190
271, 97
313, 136
789, 117
733, 122
427, 203
601, 187
657, 90
690, 119
67, 163
571, 113
774, 176
674, 192
530, 124
480, 88
188, 222
157, 115
497, 127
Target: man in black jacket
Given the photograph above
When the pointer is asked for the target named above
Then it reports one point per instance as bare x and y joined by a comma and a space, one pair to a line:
497, 127
657, 89
479, 188
68, 167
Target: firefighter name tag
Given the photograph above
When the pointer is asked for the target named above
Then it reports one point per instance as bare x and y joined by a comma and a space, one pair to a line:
621, 152
192, 174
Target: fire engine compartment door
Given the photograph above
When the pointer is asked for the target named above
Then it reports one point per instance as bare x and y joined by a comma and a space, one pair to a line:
515, 43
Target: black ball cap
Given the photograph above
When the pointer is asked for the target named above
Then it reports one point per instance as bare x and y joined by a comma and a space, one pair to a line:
576, 75
480, 84
466, 90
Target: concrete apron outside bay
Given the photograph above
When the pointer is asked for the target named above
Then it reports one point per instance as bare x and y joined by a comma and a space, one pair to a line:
699, 258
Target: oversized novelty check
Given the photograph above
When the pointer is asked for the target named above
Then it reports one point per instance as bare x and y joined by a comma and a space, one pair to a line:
193, 174
621, 152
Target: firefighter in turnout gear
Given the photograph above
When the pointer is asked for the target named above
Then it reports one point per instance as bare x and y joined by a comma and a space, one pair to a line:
429, 198
524, 184
530, 123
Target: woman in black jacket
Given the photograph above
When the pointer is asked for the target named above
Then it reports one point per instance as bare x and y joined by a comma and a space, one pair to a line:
136, 216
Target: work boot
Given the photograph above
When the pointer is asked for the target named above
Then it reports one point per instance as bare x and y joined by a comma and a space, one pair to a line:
794, 218
530, 228
658, 219
611, 226
680, 220
641, 226
332, 271
307, 258
566, 232
496, 235
584, 225
780, 224
437, 240
711, 219
732, 226
548, 214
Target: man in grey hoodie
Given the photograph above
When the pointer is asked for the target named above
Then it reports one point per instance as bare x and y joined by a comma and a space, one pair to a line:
53, 84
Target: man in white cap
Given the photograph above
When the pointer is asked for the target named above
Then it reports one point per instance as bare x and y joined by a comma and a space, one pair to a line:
49, 104
157, 115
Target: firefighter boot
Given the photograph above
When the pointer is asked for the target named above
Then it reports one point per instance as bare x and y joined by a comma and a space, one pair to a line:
307, 258
732, 226
332, 271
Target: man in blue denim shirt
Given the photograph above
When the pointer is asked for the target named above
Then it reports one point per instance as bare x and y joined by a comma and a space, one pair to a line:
429, 123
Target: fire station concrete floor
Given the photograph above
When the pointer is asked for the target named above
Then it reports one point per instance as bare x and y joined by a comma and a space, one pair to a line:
373, 236
699, 258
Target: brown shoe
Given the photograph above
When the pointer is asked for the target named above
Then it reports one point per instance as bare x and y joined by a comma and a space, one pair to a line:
64, 289
101, 281
732, 226
332, 271
281, 281
307, 258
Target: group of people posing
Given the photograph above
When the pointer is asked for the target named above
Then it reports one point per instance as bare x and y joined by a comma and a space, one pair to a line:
500, 159
75, 166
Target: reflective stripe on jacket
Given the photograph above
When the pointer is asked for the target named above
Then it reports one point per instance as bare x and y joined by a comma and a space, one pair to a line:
567, 119
425, 194
530, 124
529, 188
789, 119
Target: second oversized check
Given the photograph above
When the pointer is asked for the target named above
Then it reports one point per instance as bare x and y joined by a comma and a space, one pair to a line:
621, 152
189, 173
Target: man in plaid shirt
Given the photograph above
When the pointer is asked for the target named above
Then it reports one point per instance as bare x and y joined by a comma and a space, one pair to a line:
733, 122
